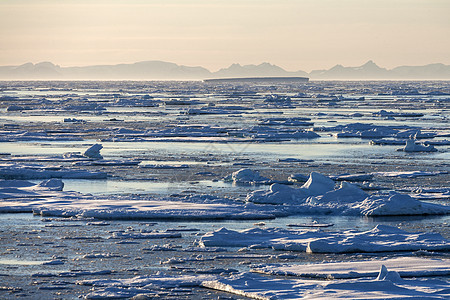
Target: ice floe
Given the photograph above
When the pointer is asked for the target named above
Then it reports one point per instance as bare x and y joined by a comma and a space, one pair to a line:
381, 238
388, 285
371, 131
409, 174
319, 195
404, 266
28, 172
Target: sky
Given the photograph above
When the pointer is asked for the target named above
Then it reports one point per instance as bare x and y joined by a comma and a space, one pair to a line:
293, 34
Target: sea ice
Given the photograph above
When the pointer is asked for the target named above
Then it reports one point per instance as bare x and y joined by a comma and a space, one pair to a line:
409, 174
404, 266
127, 288
388, 285
319, 196
27, 172
381, 238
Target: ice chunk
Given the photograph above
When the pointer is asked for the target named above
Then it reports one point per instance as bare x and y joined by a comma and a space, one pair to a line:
388, 275
52, 184
411, 146
246, 176
94, 152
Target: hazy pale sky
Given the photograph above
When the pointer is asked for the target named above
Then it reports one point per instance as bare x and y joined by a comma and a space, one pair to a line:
296, 35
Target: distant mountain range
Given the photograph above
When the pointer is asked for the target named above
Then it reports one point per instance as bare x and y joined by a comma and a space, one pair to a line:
159, 70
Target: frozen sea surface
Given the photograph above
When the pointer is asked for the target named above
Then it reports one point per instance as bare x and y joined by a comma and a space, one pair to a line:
169, 147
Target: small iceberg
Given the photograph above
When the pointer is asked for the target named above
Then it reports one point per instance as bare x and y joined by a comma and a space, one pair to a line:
94, 152
411, 146
246, 176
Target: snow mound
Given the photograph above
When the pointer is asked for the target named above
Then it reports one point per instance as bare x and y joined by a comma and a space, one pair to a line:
277, 194
399, 204
318, 184
346, 193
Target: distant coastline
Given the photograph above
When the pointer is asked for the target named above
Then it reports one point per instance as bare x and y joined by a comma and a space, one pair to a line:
160, 70
258, 79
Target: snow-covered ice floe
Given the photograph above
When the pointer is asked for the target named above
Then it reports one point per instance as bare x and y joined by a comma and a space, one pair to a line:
345, 280
46, 199
133, 209
28, 172
408, 174
371, 131
381, 238
318, 195
404, 266
387, 285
